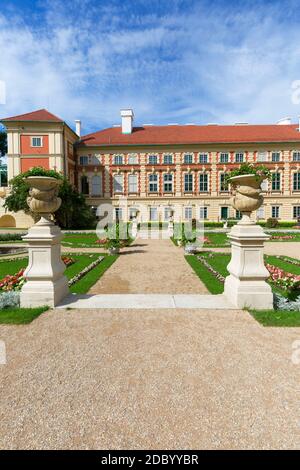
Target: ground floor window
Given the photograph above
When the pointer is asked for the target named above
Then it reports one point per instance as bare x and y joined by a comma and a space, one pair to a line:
275, 212
188, 213
153, 214
224, 212
296, 212
260, 213
96, 185
238, 215
203, 212
167, 213
118, 214
85, 185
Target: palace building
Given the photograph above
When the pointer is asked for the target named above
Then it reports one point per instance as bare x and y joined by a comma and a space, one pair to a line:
158, 168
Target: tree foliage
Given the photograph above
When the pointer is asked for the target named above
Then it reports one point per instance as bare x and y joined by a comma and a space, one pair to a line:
3, 143
74, 213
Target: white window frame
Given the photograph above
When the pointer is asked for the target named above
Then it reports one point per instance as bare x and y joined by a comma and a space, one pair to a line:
296, 179
222, 154
262, 156
239, 157
36, 137
134, 157
155, 156
188, 213
188, 155
204, 157
153, 184
186, 184
99, 176
155, 209
276, 173
203, 212
120, 157
166, 156
118, 186
207, 182
225, 190
297, 159
131, 184
296, 211
168, 183
275, 153
275, 211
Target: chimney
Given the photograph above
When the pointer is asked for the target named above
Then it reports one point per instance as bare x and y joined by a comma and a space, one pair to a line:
127, 120
284, 122
78, 127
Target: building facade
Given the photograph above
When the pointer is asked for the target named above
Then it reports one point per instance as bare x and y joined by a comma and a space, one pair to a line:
158, 169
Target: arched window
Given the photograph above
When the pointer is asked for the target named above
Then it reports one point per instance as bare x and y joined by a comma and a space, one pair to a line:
84, 185
96, 185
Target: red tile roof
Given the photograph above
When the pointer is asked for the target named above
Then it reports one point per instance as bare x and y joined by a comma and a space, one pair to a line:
192, 134
39, 115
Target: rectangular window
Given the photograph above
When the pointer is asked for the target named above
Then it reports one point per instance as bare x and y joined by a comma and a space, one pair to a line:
296, 212
188, 213
239, 157
203, 158
168, 159
36, 142
296, 182
224, 212
188, 158
224, 158
168, 183
153, 214
260, 213
238, 215
262, 156
95, 160
188, 183
223, 184
264, 185
96, 185
83, 160
275, 156
118, 183
118, 213
132, 184
153, 183
276, 180
132, 160
167, 213
275, 212
152, 159
118, 160
296, 156
203, 182
202, 213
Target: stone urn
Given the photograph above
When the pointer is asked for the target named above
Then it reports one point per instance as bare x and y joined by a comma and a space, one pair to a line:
42, 199
247, 197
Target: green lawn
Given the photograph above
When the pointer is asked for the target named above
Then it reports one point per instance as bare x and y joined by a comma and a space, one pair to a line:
24, 315
276, 317
20, 316
219, 262
80, 240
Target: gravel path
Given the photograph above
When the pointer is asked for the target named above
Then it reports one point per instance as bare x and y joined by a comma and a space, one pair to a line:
149, 379
150, 266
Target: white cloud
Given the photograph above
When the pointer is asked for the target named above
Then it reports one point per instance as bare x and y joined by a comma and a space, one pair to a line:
198, 64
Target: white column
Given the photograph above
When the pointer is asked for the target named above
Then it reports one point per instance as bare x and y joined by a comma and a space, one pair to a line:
246, 285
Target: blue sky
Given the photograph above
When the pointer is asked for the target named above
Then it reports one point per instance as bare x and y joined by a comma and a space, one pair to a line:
170, 60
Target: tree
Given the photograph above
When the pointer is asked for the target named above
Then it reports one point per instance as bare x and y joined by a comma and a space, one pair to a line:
3, 143
74, 213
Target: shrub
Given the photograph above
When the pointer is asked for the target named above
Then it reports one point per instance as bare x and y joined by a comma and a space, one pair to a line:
272, 222
10, 237
9, 299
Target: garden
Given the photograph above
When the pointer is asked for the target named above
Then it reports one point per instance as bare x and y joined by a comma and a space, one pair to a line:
284, 279
82, 271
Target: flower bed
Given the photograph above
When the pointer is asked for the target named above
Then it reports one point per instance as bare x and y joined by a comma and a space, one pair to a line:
211, 269
287, 281
85, 271
282, 237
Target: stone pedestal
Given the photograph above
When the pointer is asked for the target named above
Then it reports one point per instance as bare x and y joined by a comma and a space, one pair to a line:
46, 283
246, 285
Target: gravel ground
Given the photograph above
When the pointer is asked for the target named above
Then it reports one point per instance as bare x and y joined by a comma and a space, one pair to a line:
150, 266
149, 379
